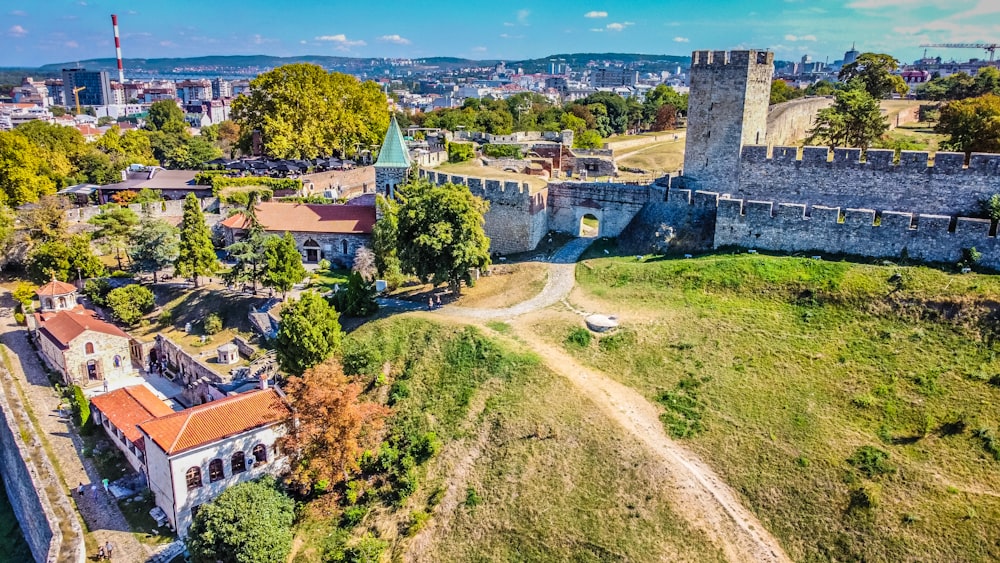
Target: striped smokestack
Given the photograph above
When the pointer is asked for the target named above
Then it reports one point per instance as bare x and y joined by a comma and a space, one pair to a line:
118, 50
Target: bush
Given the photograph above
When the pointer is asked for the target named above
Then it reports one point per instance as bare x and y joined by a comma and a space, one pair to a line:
502, 151
275, 184
165, 318
19, 318
81, 407
368, 549
120, 274
991, 207
353, 516
418, 519
472, 497
324, 265
866, 497
212, 324
96, 289
356, 298
128, 304
579, 337
460, 152
871, 461
251, 521
990, 442
24, 293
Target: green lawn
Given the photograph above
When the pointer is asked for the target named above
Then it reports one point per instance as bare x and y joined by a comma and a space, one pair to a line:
779, 369
327, 280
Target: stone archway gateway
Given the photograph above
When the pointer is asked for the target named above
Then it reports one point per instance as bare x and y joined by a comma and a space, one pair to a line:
590, 226
311, 249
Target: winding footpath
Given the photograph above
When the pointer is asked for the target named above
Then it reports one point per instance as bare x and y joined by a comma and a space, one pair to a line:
702, 497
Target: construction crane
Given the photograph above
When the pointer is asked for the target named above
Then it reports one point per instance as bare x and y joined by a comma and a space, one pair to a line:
76, 96
988, 47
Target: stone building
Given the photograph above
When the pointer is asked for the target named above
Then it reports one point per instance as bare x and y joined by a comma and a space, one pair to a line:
84, 349
393, 162
192, 456
333, 232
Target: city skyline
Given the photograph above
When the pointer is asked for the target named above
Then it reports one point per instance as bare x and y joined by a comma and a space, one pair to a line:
79, 30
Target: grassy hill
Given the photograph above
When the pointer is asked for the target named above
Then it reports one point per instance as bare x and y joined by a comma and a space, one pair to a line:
854, 407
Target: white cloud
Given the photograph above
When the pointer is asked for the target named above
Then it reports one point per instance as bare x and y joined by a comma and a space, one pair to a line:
509, 24
394, 38
17, 31
596, 14
72, 44
794, 38
479, 49
167, 44
341, 40
880, 4
302, 42
615, 26
509, 36
522, 16
597, 29
20, 13
681, 40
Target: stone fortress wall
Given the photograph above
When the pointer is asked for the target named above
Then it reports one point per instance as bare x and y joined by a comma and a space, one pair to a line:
614, 205
170, 208
790, 121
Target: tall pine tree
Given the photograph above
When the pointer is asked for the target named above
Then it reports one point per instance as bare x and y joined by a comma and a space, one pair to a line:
197, 255
249, 252
283, 263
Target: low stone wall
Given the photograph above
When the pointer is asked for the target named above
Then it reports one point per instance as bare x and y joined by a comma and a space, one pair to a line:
188, 369
357, 180
160, 209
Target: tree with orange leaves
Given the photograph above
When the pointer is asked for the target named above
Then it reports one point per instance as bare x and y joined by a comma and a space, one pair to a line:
331, 428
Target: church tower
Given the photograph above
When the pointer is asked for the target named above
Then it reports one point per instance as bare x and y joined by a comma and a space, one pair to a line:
727, 109
393, 162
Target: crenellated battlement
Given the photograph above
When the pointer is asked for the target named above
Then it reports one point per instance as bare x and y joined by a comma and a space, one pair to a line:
877, 159
508, 192
731, 58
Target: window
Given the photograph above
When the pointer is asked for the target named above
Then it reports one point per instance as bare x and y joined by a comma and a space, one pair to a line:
344, 246
118, 361
62, 302
193, 477
215, 472
48, 303
88, 348
238, 463
260, 453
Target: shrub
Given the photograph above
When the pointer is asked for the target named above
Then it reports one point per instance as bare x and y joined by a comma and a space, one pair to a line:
81, 407
472, 497
418, 519
991, 207
866, 497
120, 274
212, 324
128, 304
871, 461
96, 289
24, 292
19, 318
324, 264
460, 152
165, 318
502, 151
275, 184
579, 337
990, 442
367, 549
353, 516
398, 391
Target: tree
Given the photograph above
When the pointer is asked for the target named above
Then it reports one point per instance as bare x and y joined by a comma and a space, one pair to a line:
874, 71
8, 234
302, 111
666, 118
615, 110
23, 170
660, 96
248, 523
385, 234
782, 92
364, 263
460, 152
309, 333
249, 251
357, 297
590, 139
332, 428
441, 235
155, 246
46, 220
66, 259
197, 255
129, 303
283, 263
973, 124
166, 115
854, 120
114, 228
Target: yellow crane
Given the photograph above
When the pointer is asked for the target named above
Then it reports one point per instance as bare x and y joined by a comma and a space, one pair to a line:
76, 96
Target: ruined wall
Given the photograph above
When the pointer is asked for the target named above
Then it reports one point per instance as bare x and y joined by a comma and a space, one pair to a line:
516, 220
677, 220
614, 205
790, 122
786, 227
357, 179
946, 188
159, 209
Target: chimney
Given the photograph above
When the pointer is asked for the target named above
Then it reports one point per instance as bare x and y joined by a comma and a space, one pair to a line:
118, 50
263, 379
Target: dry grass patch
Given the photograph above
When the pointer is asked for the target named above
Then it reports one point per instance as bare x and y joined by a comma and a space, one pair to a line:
476, 169
657, 158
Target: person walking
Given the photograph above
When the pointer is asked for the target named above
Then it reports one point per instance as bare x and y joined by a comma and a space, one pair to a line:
80, 489
100, 553
109, 549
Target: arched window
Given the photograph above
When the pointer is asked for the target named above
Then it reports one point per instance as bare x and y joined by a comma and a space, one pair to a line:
260, 453
215, 472
193, 477
343, 245
62, 302
238, 463
88, 348
118, 361
48, 303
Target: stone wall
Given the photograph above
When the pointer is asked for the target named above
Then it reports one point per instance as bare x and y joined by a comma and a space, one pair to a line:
676, 221
342, 181
186, 368
172, 208
614, 205
790, 122
843, 180
786, 227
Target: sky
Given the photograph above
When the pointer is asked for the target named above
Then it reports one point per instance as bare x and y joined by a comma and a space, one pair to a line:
56, 31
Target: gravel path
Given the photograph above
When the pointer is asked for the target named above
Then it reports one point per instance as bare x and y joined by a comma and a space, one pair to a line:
100, 512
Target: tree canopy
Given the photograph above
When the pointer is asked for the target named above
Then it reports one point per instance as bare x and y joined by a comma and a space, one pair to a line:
282, 263
972, 124
129, 303
874, 72
303, 111
248, 523
309, 333
960, 85
65, 258
197, 254
440, 233
854, 120
114, 228
155, 246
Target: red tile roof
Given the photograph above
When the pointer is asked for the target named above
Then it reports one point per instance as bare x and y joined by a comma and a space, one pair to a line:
65, 326
309, 218
216, 420
54, 288
127, 407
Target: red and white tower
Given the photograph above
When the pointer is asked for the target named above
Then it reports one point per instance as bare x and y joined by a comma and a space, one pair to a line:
118, 50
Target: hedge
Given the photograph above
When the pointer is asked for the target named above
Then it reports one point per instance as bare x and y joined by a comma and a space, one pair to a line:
81, 406
460, 152
502, 151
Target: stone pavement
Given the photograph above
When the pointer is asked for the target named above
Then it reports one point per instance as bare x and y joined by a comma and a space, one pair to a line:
100, 512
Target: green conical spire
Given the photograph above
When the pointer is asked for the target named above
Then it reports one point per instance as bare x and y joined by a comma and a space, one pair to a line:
394, 153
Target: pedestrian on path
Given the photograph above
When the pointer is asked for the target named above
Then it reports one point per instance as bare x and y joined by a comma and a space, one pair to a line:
105, 482
430, 303
438, 297
109, 549
80, 489
100, 553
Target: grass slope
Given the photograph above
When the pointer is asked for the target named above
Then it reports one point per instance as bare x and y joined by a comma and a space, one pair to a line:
782, 369
535, 476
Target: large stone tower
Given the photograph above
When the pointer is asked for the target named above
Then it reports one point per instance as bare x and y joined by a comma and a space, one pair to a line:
393, 161
727, 108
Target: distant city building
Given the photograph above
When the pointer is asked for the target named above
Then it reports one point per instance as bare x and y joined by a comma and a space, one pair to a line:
31, 92
118, 94
613, 77
851, 56
95, 83
221, 89
194, 90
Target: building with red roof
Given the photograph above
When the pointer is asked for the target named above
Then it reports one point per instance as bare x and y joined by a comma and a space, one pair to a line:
321, 231
121, 411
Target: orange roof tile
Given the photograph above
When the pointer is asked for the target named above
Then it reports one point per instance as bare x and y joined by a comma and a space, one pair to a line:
216, 420
65, 326
54, 288
309, 218
129, 406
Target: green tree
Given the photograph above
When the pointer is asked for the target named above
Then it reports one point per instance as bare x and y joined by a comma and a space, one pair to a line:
115, 227
197, 255
66, 259
128, 304
441, 233
24, 171
357, 297
309, 333
460, 152
660, 96
615, 109
302, 111
283, 263
248, 523
588, 140
782, 92
854, 120
155, 246
874, 71
45, 220
385, 234
248, 252
973, 125
8, 235
167, 116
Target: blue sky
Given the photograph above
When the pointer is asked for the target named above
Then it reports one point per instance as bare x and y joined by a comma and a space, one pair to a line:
50, 31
